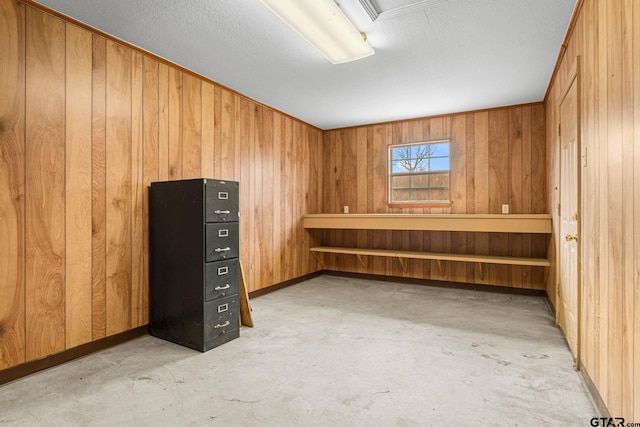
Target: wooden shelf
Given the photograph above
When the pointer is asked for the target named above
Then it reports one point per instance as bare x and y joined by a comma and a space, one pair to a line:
512, 223
402, 257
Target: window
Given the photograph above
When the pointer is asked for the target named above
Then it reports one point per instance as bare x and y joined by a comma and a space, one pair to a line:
419, 173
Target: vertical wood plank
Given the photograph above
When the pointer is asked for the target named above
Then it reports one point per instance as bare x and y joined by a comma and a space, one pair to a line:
458, 153
379, 188
303, 161
191, 126
151, 146
295, 169
313, 173
118, 179
163, 122
208, 129
328, 194
217, 132
628, 229
321, 166
138, 296
237, 148
336, 184
614, 179
636, 209
538, 160
278, 201
78, 185
227, 123
515, 198
175, 124
12, 190
458, 190
44, 190
590, 196
98, 189
361, 170
287, 212
426, 236
538, 188
414, 241
350, 189
515, 135
362, 165
255, 123
498, 160
247, 217
327, 202
267, 228
471, 191
603, 381
526, 189
481, 167
498, 189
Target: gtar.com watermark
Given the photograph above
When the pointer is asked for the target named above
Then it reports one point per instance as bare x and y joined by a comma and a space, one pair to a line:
612, 422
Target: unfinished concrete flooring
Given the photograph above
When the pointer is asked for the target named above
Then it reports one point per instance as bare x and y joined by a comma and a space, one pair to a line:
331, 351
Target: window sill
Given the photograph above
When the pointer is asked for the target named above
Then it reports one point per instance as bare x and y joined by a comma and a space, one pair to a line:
419, 205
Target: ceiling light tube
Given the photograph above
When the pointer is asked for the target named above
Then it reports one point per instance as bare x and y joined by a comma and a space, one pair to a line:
324, 26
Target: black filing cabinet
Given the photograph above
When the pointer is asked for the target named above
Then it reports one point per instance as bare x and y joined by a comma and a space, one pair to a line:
195, 271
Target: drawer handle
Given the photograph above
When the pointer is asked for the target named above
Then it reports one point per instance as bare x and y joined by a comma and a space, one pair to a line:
218, 250
222, 288
219, 212
222, 325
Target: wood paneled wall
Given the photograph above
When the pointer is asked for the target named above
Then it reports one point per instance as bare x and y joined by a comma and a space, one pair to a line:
606, 37
497, 157
86, 124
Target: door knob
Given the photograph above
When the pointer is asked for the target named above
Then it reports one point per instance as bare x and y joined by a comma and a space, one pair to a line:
569, 238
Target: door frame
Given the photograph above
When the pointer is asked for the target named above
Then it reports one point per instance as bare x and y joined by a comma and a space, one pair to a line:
573, 76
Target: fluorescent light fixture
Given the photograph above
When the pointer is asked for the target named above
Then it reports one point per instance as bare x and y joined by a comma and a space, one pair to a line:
324, 26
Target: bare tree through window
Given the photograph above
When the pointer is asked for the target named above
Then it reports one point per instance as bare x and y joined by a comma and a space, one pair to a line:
418, 161
419, 172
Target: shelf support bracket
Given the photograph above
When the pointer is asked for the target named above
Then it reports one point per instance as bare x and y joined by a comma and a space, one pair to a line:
441, 267
363, 260
320, 258
403, 262
480, 269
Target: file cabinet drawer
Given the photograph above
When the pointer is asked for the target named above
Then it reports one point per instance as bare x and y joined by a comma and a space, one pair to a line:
222, 241
221, 279
221, 201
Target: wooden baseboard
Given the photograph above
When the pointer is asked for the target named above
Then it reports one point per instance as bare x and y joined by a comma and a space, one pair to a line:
272, 288
16, 372
593, 393
442, 284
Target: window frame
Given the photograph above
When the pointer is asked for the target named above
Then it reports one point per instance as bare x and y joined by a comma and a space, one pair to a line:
417, 203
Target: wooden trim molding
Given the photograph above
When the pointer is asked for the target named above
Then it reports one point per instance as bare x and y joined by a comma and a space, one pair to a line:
563, 47
419, 205
438, 116
19, 371
593, 392
438, 283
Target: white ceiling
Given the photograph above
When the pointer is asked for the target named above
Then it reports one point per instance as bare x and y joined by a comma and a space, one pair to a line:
432, 56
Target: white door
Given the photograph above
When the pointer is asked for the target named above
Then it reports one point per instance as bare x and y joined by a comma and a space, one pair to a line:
568, 290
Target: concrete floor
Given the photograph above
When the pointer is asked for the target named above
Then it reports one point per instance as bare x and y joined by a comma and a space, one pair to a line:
331, 351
